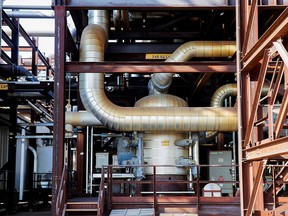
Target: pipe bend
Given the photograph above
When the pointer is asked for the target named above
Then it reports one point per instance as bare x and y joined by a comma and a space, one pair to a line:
162, 81
91, 86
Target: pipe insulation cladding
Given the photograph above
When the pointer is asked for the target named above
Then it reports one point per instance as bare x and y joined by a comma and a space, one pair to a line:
212, 49
91, 87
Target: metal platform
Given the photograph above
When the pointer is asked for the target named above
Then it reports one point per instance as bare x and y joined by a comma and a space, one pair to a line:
133, 212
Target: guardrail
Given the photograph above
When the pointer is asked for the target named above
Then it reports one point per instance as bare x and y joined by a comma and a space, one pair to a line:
157, 190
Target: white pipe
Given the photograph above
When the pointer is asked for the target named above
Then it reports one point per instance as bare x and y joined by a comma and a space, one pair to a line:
91, 161
195, 137
35, 158
81, 119
22, 166
87, 159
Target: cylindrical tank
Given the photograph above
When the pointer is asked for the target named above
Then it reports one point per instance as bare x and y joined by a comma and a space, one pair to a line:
159, 148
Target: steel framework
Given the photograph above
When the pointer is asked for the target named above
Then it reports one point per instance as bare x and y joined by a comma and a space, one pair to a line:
263, 59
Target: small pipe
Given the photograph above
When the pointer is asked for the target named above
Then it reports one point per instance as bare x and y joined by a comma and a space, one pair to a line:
35, 159
30, 14
91, 161
190, 155
140, 172
22, 165
195, 136
27, 7
87, 159
184, 142
35, 108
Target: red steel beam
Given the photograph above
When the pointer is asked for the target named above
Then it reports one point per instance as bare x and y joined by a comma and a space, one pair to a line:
267, 148
277, 30
261, 79
150, 67
281, 51
281, 116
277, 83
256, 186
249, 26
59, 103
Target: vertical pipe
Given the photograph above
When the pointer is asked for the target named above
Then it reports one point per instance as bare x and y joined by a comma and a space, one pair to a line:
233, 147
87, 160
91, 161
195, 137
190, 155
22, 165
34, 164
140, 155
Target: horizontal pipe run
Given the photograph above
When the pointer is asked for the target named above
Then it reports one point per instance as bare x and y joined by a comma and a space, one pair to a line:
94, 99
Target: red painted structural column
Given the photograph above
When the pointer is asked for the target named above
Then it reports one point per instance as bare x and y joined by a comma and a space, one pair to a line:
59, 106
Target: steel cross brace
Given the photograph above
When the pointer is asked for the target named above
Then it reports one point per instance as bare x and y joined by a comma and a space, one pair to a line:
256, 186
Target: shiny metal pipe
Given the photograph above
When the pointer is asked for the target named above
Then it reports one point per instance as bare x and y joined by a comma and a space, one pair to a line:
162, 81
91, 86
81, 119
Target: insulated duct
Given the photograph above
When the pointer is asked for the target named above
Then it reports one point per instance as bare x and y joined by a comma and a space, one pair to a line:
16, 70
91, 86
202, 49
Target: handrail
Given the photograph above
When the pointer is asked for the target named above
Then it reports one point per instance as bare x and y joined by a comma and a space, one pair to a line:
27, 38
101, 195
61, 194
150, 196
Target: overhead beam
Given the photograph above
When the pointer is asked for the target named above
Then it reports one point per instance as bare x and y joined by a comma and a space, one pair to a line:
277, 30
150, 67
268, 149
146, 4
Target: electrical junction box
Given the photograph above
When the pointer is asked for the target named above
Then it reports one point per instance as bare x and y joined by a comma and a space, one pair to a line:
102, 159
45, 157
221, 173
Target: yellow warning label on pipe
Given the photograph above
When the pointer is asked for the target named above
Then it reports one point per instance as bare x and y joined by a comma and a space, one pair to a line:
165, 143
152, 56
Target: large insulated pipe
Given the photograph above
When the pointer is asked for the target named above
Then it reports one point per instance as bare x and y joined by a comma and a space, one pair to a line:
81, 119
91, 86
162, 81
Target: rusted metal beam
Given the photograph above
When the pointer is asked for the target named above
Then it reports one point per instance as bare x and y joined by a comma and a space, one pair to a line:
267, 148
281, 176
277, 211
147, 4
150, 67
281, 51
249, 26
255, 105
281, 116
59, 103
277, 30
277, 84
256, 186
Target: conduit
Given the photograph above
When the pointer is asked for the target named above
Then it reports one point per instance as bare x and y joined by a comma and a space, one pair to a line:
91, 86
